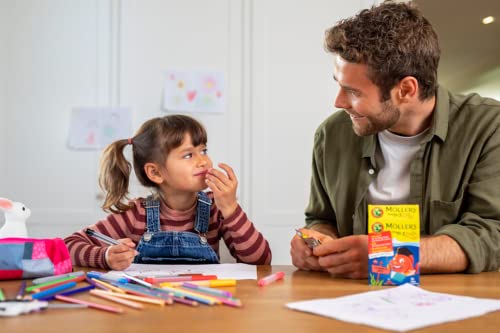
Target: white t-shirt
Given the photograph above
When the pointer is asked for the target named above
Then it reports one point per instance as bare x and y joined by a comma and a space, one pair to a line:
393, 157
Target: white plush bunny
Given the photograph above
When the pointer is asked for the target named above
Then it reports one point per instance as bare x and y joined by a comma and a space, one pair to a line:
16, 215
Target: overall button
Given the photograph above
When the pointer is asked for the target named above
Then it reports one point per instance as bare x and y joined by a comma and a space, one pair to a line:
147, 236
371, 171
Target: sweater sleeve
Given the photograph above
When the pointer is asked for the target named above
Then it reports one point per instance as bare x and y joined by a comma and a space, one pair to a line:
244, 242
90, 252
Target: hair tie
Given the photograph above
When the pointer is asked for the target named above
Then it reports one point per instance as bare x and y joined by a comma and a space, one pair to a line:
129, 141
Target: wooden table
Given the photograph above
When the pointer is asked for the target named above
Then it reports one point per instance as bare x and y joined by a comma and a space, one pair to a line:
263, 308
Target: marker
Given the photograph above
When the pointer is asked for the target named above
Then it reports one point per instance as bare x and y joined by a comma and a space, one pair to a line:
106, 239
56, 277
52, 291
271, 278
55, 284
310, 241
20, 293
159, 280
208, 290
69, 292
207, 283
139, 281
2, 297
108, 277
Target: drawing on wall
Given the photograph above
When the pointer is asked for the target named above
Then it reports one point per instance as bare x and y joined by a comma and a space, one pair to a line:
96, 127
194, 91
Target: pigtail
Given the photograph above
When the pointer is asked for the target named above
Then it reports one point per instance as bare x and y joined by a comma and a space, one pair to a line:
114, 175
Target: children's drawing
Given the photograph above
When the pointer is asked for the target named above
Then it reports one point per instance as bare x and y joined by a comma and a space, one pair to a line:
194, 91
96, 127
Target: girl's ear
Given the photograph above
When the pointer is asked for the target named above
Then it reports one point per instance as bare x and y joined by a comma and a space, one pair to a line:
153, 172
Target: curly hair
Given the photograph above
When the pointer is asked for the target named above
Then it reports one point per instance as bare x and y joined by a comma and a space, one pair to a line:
395, 41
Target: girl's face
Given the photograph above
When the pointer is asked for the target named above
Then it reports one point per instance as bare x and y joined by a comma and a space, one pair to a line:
186, 167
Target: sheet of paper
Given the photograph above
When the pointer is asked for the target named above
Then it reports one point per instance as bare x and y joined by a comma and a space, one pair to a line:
97, 127
223, 271
398, 309
194, 90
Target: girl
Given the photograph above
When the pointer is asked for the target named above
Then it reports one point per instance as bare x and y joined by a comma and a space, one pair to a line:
179, 224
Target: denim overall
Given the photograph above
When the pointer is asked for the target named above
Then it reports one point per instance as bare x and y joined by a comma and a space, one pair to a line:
176, 247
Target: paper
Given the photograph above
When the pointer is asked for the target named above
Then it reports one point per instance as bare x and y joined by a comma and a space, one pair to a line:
194, 91
398, 309
95, 128
223, 271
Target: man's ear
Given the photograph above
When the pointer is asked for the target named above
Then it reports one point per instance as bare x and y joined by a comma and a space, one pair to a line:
407, 89
153, 172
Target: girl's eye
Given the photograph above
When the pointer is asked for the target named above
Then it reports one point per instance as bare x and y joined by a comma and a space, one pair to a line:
204, 151
187, 156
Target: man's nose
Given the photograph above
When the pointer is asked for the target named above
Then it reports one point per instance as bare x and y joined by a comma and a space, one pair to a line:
341, 101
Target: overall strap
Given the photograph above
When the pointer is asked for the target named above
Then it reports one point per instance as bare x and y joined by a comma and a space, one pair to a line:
202, 213
152, 214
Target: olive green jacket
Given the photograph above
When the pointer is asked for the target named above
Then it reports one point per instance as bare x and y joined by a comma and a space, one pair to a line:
455, 177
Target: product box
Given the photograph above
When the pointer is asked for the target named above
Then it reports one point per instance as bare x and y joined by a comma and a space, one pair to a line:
393, 245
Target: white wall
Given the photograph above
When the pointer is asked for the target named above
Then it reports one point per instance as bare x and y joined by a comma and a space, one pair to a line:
64, 54
4, 24
51, 67
292, 93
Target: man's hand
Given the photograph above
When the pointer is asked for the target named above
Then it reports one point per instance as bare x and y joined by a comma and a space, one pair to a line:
345, 257
119, 257
302, 255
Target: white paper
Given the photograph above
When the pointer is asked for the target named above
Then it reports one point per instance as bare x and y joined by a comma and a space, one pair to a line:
194, 91
399, 309
97, 127
223, 271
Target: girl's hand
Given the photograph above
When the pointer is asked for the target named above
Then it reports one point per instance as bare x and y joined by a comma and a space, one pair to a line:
119, 257
224, 186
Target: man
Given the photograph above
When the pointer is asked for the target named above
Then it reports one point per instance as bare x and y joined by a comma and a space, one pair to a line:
401, 139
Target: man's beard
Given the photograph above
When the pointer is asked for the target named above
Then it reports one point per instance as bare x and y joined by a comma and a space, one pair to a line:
385, 119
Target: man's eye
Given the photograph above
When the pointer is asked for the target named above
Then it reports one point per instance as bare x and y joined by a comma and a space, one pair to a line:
187, 156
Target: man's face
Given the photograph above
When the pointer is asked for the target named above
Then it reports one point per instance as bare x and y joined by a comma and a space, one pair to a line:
360, 98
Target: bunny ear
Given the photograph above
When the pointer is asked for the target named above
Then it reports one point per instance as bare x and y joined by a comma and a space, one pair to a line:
5, 203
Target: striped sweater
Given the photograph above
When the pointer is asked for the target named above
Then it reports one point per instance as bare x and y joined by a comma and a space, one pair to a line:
244, 242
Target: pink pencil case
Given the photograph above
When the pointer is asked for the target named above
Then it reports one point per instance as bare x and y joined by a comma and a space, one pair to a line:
27, 258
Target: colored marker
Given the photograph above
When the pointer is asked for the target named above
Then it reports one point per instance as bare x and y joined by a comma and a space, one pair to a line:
57, 277
158, 280
139, 281
55, 284
106, 239
208, 283
110, 297
271, 278
69, 292
52, 291
20, 293
2, 296
108, 277
208, 290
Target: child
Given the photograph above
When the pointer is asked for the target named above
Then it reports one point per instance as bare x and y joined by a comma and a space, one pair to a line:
179, 224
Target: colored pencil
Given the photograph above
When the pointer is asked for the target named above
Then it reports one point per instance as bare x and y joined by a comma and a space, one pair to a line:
110, 296
55, 284
89, 304
52, 291
150, 300
57, 277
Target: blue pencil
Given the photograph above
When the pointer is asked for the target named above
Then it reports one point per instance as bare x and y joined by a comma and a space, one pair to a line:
53, 291
69, 292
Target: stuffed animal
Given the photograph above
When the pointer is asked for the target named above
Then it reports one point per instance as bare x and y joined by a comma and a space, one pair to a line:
16, 215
